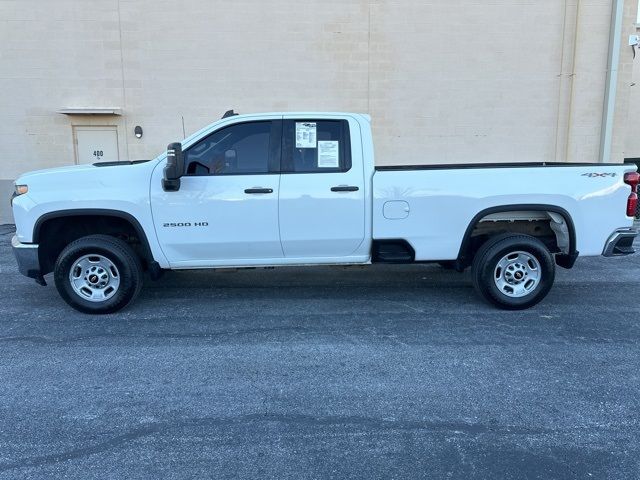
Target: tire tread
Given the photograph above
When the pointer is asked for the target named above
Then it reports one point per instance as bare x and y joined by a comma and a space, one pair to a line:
499, 242
110, 244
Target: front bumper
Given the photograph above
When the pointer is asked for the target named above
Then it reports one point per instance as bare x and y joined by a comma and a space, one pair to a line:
28, 260
620, 243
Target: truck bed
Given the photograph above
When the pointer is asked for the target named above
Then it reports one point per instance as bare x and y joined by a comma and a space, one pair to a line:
432, 206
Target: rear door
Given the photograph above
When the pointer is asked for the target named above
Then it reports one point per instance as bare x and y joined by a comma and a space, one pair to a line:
322, 191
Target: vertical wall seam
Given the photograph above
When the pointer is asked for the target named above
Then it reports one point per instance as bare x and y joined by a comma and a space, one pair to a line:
369, 64
561, 77
611, 89
124, 90
566, 91
576, 37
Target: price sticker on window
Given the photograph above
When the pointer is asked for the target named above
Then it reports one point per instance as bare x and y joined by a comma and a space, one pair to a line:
329, 154
306, 135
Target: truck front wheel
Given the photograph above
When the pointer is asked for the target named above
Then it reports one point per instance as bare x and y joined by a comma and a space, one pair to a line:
513, 272
98, 274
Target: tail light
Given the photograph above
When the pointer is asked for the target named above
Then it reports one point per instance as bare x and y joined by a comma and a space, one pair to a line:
632, 179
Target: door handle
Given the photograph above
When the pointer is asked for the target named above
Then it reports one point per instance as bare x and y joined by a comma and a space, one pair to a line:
258, 190
345, 188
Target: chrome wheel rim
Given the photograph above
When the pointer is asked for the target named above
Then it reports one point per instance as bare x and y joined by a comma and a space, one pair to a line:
94, 278
517, 274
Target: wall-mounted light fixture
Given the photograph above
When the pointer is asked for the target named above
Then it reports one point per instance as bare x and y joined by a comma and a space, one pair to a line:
138, 131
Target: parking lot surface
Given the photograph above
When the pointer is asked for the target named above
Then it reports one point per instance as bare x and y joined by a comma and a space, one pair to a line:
376, 372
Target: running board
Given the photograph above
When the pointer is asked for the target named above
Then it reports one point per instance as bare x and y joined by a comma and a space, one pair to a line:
392, 251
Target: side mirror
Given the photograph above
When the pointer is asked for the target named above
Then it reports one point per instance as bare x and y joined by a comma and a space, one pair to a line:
174, 168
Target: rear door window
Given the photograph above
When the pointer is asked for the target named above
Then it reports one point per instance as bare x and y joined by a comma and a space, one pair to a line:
316, 146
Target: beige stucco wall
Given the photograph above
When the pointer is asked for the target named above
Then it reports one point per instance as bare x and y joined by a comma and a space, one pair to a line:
632, 145
446, 80
625, 117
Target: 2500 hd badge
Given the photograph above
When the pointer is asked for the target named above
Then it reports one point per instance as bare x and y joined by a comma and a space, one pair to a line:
187, 224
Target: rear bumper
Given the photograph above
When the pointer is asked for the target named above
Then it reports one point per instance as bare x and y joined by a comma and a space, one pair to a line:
28, 260
620, 243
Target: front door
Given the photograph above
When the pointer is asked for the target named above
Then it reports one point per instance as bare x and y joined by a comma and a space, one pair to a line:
226, 211
322, 190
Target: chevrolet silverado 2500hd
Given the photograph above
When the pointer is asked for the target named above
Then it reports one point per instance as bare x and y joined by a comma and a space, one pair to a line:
302, 189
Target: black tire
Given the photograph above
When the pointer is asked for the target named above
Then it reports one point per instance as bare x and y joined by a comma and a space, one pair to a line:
119, 253
485, 269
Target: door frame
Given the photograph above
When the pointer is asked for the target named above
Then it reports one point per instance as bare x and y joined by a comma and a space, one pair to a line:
74, 130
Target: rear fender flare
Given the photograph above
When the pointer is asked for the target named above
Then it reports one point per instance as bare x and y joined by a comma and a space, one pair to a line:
564, 260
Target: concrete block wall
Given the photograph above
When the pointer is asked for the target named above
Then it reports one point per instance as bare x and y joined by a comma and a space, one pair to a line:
446, 81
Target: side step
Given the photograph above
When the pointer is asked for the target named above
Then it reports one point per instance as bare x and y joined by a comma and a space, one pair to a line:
392, 251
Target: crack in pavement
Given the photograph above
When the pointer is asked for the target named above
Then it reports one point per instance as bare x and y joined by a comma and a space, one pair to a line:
43, 339
369, 423
355, 337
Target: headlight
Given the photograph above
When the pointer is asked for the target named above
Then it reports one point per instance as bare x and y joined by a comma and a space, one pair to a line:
20, 190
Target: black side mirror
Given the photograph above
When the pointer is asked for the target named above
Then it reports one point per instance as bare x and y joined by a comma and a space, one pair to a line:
174, 169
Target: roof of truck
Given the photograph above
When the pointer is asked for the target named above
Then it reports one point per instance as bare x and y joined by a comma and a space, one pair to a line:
231, 113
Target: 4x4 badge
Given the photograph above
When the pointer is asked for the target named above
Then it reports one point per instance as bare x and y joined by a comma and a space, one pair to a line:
597, 175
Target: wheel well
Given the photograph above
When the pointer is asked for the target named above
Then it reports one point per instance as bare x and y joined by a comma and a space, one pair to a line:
554, 228
55, 233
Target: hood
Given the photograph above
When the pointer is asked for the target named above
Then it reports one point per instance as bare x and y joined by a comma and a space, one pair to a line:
48, 171
91, 184
75, 170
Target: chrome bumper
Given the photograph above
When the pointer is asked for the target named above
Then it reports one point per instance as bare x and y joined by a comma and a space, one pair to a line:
28, 260
620, 243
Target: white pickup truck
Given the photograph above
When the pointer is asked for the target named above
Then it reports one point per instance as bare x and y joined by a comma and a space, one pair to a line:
288, 189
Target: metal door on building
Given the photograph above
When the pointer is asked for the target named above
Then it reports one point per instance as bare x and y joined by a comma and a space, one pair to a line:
96, 144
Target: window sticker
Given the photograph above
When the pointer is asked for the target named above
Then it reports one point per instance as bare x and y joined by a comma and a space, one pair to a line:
306, 135
329, 154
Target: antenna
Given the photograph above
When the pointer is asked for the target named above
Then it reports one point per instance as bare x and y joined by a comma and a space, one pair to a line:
229, 113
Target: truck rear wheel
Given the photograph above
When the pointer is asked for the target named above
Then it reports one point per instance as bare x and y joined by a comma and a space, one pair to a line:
98, 274
513, 272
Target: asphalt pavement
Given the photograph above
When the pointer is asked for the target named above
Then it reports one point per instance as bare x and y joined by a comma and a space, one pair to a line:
368, 372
